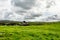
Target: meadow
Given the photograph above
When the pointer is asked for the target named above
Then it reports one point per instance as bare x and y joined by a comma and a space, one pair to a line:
41, 31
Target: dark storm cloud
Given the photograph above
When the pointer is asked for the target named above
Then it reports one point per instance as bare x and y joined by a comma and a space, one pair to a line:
25, 4
20, 12
35, 15
32, 16
29, 17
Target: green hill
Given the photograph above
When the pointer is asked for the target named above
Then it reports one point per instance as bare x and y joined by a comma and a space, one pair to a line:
46, 31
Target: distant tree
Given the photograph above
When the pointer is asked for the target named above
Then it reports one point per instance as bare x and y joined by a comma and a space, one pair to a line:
24, 23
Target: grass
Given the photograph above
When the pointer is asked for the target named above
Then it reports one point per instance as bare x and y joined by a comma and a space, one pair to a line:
32, 32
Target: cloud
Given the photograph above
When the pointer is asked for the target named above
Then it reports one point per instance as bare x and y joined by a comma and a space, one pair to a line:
29, 10
25, 4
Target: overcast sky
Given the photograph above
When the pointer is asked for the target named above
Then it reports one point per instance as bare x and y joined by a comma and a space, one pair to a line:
30, 10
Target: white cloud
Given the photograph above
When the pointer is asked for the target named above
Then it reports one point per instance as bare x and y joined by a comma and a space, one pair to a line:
31, 10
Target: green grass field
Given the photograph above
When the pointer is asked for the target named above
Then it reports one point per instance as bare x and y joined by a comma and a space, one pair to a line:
32, 32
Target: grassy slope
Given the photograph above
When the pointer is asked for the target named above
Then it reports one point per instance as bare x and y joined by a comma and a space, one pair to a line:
37, 32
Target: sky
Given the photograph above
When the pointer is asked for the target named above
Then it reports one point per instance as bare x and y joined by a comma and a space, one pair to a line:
30, 10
